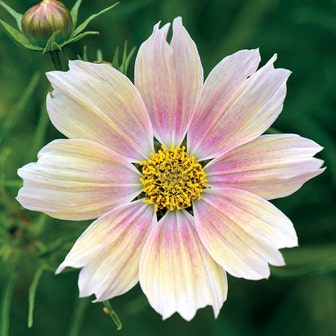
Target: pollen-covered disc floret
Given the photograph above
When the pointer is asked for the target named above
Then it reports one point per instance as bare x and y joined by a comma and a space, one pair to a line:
172, 179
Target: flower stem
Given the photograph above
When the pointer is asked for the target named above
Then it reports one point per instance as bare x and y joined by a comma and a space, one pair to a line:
78, 316
32, 293
6, 298
55, 57
112, 314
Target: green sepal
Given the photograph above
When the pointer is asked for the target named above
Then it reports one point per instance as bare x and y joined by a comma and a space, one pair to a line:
52, 44
18, 37
17, 16
83, 25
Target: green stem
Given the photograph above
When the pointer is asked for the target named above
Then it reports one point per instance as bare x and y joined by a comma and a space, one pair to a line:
32, 293
55, 57
6, 298
78, 316
113, 314
65, 54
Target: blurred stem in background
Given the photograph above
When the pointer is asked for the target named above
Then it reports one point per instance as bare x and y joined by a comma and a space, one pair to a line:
81, 306
6, 297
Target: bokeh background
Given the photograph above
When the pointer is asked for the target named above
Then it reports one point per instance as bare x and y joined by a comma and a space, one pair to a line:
299, 299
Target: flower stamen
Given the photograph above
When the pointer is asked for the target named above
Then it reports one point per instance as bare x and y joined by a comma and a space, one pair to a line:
172, 179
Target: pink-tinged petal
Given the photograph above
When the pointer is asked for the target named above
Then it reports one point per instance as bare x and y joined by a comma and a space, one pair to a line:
176, 272
77, 179
189, 78
109, 251
219, 88
242, 231
271, 166
234, 109
97, 102
169, 77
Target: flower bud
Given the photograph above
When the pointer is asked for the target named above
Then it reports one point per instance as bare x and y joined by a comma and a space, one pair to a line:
44, 19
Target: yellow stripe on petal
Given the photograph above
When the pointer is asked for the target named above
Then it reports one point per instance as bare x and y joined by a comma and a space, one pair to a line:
231, 115
169, 78
77, 179
271, 166
242, 231
176, 272
97, 102
109, 251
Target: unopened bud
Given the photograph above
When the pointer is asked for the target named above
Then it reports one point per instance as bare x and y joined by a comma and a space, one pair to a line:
41, 21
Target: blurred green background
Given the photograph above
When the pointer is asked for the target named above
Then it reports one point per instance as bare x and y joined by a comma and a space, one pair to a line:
299, 299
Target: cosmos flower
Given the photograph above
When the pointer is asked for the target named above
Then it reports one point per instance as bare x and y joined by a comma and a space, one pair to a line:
174, 170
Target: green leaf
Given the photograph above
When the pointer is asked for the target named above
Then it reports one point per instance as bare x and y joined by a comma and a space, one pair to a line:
315, 130
310, 260
99, 56
10, 183
21, 106
79, 37
85, 55
126, 58
115, 60
83, 25
17, 16
74, 12
18, 37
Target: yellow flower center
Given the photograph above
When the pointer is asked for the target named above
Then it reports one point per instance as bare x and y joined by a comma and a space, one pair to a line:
172, 179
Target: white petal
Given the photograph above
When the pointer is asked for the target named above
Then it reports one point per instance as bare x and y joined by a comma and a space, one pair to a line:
97, 102
176, 272
271, 166
109, 251
242, 231
77, 179
169, 77
234, 109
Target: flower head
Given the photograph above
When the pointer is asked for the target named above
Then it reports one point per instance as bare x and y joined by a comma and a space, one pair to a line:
43, 20
175, 171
